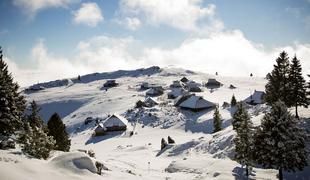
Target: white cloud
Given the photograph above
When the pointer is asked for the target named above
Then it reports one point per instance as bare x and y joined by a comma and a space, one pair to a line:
131, 23
228, 53
102, 53
89, 14
32, 7
187, 15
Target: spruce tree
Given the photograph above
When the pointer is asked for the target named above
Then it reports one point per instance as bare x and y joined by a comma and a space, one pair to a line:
277, 87
36, 143
233, 101
244, 138
297, 84
239, 116
279, 143
34, 118
217, 120
57, 129
12, 104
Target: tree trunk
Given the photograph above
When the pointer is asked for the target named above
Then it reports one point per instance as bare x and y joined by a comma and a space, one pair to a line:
246, 170
296, 111
280, 174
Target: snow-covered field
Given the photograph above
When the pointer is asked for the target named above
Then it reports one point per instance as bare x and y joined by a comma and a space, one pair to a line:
197, 153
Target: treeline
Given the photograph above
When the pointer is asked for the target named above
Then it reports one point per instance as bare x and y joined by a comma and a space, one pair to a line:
279, 142
36, 138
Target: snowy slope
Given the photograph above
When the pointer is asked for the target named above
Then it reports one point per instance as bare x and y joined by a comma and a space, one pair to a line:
197, 154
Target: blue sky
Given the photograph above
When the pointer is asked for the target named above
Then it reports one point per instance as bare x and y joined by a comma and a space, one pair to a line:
131, 33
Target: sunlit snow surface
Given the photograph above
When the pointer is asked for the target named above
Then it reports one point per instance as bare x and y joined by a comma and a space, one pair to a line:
197, 154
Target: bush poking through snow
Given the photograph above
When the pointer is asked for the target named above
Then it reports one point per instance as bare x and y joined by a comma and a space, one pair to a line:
99, 167
91, 153
170, 140
163, 144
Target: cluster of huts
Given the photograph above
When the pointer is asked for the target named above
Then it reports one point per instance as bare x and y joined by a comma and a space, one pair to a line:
181, 91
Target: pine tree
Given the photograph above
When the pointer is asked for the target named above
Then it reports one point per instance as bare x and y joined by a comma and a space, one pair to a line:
239, 116
34, 118
57, 130
244, 138
297, 84
279, 143
12, 104
217, 120
277, 87
36, 143
233, 101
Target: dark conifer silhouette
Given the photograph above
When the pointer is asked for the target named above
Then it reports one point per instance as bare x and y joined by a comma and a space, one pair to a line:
233, 101
217, 120
57, 129
12, 104
297, 84
279, 142
277, 87
34, 117
244, 138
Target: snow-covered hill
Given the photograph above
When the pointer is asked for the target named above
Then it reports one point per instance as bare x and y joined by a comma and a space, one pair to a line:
197, 154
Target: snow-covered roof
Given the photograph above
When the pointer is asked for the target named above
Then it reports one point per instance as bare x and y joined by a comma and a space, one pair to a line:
196, 102
256, 98
115, 120
184, 79
154, 90
100, 127
176, 92
150, 100
176, 84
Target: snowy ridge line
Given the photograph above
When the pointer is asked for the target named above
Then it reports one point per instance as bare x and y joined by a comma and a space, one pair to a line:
100, 76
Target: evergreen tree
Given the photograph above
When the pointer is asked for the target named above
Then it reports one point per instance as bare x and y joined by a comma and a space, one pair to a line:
36, 143
239, 116
279, 143
233, 101
12, 104
277, 87
217, 120
34, 118
57, 130
244, 138
297, 84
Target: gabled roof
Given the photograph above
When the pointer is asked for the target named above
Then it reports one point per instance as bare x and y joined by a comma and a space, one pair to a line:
182, 98
149, 100
256, 98
115, 120
176, 92
196, 102
100, 127
154, 90
184, 79
213, 81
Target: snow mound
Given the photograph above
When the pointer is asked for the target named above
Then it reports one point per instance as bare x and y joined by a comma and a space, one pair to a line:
77, 162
